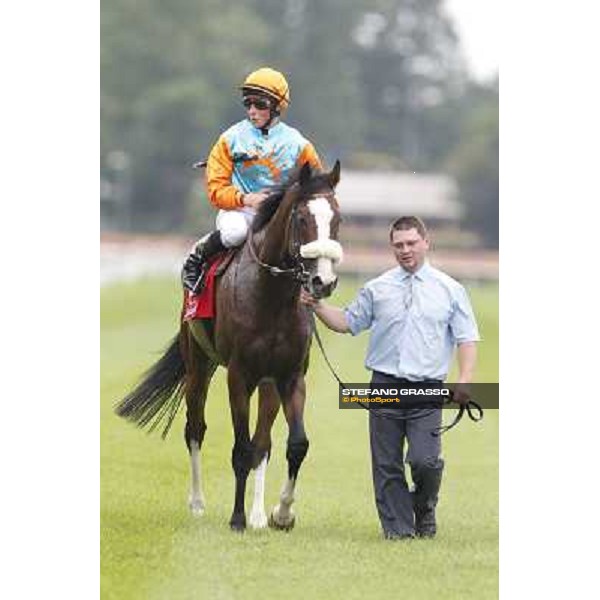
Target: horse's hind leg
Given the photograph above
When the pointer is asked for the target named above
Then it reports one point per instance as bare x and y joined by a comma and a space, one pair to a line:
268, 407
199, 372
293, 396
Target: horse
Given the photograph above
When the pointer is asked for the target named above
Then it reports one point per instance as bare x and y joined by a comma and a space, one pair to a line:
261, 334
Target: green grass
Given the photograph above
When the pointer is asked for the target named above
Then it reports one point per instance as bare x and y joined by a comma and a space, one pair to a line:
152, 548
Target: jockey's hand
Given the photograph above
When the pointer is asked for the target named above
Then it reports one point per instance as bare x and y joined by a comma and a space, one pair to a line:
307, 299
255, 199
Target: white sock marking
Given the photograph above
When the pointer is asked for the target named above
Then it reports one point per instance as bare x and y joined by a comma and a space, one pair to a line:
283, 512
258, 516
196, 500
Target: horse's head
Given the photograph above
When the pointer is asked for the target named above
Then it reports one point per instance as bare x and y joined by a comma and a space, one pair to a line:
314, 229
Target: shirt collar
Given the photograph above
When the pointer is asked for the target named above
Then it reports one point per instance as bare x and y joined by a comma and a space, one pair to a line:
274, 127
420, 274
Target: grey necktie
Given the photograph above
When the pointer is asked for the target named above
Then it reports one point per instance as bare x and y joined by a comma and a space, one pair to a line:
408, 292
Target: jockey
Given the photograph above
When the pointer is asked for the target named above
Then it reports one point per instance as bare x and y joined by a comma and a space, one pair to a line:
248, 159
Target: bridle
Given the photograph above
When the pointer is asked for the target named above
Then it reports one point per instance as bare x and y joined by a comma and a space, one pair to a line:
298, 270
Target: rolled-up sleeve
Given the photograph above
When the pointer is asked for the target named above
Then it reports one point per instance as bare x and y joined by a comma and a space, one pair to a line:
462, 321
359, 313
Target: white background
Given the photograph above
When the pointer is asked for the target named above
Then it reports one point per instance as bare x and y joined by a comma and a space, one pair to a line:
50, 302
478, 27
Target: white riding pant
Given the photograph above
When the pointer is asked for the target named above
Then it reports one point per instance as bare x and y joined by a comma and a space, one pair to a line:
234, 225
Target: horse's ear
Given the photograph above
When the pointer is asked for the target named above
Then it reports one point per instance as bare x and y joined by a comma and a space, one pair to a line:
305, 174
334, 176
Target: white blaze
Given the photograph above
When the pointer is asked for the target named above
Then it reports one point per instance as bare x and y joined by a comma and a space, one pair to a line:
321, 210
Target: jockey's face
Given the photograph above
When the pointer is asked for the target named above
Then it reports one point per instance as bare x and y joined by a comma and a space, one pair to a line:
409, 248
258, 110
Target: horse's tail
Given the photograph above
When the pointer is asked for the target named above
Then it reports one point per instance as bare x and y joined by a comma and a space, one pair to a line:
158, 396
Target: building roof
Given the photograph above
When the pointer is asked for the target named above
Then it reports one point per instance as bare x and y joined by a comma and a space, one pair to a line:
389, 194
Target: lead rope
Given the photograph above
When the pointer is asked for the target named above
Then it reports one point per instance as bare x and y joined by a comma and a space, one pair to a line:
472, 408
313, 322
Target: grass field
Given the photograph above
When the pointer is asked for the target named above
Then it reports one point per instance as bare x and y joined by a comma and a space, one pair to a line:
152, 548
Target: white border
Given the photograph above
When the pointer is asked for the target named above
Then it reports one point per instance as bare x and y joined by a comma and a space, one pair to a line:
50, 300
548, 299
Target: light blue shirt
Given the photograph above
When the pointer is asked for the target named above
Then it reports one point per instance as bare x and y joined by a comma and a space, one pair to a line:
416, 321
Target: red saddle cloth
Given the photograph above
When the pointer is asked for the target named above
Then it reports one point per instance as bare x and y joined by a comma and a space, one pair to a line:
202, 305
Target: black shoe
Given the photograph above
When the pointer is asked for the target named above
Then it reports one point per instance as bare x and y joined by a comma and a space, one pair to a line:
195, 266
425, 496
192, 272
426, 534
425, 525
398, 536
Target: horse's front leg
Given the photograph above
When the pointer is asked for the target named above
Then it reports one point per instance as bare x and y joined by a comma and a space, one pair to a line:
293, 397
242, 453
268, 407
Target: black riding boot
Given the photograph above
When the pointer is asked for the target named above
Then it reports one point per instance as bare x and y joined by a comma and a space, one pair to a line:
194, 268
428, 478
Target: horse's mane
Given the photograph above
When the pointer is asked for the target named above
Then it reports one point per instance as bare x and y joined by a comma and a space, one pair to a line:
268, 208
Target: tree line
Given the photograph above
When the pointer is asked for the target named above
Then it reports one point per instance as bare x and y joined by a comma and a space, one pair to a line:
378, 84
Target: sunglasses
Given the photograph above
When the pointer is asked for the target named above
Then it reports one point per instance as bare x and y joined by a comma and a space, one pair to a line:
259, 103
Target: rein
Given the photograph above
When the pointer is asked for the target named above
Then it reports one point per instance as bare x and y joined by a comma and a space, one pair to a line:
471, 408
298, 270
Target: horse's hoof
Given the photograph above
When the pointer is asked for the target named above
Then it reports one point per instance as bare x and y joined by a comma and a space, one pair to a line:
282, 524
238, 523
197, 507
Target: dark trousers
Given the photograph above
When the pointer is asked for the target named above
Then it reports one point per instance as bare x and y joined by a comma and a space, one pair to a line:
389, 429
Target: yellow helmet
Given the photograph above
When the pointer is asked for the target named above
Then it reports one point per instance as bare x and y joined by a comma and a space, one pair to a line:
270, 82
